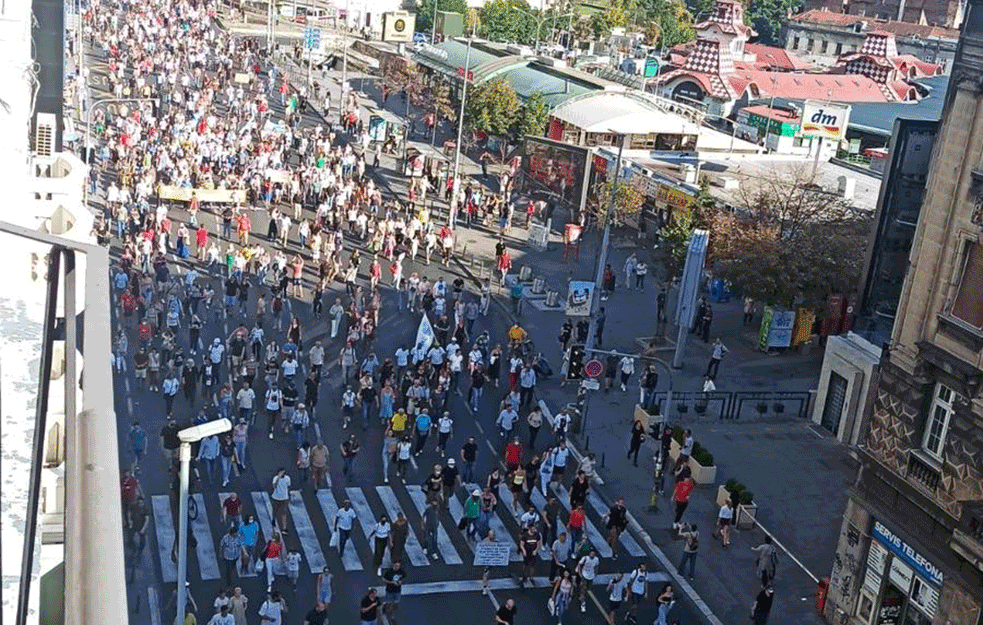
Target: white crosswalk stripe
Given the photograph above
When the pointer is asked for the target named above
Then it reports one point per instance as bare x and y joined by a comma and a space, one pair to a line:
264, 513
457, 511
599, 543
164, 526
444, 544
207, 560
627, 541
330, 509
414, 550
305, 533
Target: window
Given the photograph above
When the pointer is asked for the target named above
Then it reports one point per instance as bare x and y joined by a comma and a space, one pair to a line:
810, 45
795, 42
839, 49
968, 305
939, 416
825, 47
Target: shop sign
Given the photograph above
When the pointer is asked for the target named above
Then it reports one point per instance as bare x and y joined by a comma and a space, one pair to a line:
673, 197
876, 559
901, 574
906, 552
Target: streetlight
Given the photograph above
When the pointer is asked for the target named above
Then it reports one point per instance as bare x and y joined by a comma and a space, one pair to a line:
188, 436
88, 125
452, 217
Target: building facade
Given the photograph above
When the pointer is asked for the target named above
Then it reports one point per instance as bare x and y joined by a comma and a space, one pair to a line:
911, 544
948, 13
821, 36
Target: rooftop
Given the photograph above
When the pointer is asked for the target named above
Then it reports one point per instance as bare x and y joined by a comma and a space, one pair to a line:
778, 58
603, 112
836, 87
899, 29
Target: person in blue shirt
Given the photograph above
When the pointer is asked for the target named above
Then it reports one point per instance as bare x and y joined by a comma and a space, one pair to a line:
138, 442
423, 425
248, 532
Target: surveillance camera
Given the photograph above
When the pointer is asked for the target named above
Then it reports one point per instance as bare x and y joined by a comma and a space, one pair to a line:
198, 432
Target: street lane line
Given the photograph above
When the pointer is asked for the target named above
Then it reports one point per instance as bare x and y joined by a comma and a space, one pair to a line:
330, 509
414, 550
164, 526
444, 544
505, 498
264, 512
251, 572
305, 533
627, 541
207, 558
596, 538
456, 512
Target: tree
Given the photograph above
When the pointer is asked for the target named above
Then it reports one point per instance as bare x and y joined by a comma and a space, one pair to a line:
790, 240
665, 22
768, 16
425, 8
533, 117
628, 202
614, 16
492, 106
700, 214
508, 20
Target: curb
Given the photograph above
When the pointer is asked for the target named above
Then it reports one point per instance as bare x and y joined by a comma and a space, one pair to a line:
641, 534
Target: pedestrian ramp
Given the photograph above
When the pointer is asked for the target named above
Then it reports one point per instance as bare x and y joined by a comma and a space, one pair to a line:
311, 519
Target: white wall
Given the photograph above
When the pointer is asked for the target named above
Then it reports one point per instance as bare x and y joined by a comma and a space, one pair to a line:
857, 360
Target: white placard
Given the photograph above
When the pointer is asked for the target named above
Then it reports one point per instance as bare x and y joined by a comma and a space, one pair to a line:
876, 559
925, 596
901, 574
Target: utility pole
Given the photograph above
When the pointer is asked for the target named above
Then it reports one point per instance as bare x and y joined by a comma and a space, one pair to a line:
595, 301
433, 27
452, 217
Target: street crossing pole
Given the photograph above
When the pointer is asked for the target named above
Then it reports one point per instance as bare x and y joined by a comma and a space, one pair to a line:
598, 277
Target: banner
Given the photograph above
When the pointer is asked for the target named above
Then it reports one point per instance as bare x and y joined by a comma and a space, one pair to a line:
766, 316
278, 175
243, 78
673, 197
780, 334
212, 196
579, 297
424, 338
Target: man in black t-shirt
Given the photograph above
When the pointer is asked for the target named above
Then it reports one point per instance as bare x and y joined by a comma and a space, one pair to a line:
394, 588
169, 441
469, 453
369, 398
317, 616
370, 607
506, 613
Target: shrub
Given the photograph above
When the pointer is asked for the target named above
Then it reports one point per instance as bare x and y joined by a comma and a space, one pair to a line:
702, 456
700, 408
682, 407
778, 407
762, 407
747, 498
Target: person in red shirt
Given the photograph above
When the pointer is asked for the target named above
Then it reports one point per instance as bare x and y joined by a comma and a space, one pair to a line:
530, 211
576, 525
297, 271
684, 490
146, 331
129, 488
504, 264
513, 455
201, 241
243, 225
232, 510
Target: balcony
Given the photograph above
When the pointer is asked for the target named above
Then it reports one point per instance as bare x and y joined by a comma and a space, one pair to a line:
967, 538
923, 473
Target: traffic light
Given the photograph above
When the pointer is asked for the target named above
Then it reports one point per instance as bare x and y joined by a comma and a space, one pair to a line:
575, 364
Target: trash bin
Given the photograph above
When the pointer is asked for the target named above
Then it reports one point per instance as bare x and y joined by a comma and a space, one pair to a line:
821, 591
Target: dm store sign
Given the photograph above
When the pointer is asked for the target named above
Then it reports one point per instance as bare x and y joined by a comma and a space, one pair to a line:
906, 552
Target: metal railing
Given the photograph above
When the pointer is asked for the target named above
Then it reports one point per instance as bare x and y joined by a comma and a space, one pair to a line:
735, 404
94, 574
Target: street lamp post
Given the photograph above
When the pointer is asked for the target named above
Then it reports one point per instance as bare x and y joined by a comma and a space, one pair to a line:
88, 125
188, 436
452, 217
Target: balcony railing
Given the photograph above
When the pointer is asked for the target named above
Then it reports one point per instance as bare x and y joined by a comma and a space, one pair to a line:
922, 473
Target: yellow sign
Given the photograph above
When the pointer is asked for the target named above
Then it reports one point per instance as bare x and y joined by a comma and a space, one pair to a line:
211, 196
802, 330
673, 197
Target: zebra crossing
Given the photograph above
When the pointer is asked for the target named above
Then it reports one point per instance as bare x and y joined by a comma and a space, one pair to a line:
312, 517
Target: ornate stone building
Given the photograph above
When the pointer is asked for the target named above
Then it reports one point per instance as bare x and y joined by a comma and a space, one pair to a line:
911, 544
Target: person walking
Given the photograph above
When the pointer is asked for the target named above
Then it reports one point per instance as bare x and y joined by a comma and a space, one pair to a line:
529, 549
423, 425
718, 353
343, 521
617, 589
232, 549
636, 440
399, 532
274, 557
559, 554
630, 264
767, 560
627, 367
393, 577
691, 535
680, 497
319, 463
762, 605
665, 602
534, 421
380, 533
586, 572
616, 522
428, 525
280, 498
724, 519
638, 588
369, 608
562, 592
349, 449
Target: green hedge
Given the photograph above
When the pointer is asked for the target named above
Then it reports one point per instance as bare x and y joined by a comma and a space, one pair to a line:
743, 495
700, 453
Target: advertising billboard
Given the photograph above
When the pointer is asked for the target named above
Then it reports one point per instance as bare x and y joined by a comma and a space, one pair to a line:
557, 170
825, 120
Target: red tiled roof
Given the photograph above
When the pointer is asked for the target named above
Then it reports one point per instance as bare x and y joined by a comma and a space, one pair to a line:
769, 56
903, 90
922, 68
836, 87
711, 83
898, 29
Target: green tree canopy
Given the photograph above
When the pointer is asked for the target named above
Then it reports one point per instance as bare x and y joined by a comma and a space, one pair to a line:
533, 117
425, 8
508, 20
614, 16
665, 22
628, 201
492, 106
767, 17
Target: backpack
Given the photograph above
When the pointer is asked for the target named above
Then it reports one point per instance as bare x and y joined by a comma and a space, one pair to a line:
693, 542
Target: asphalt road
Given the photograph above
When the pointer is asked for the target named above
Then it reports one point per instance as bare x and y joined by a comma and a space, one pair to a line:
452, 588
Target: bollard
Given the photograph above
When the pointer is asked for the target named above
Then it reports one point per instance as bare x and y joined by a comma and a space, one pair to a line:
602, 459
587, 445
538, 285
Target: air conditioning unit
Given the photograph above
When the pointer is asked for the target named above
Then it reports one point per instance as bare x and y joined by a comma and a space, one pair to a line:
398, 26
45, 128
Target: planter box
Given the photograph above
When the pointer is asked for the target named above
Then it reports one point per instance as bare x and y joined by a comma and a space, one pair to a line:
702, 475
723, 495
674, 450
746, 515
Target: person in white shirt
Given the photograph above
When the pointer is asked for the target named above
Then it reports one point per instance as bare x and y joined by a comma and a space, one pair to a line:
245, 398
317, 358
402, 361
381, 535
281, 497
617, 588
222, 617
586, 572
293, 567
273, 609
627, 366
343, 525
444, 426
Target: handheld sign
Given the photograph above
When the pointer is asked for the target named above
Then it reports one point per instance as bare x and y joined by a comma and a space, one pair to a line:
491, 554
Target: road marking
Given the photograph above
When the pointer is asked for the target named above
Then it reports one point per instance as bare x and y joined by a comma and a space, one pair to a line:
164, 525
330, 509
207, 559
505, 498
414, 550
366, 520
501, 583
129, 406
126, 383
305, 533
264, 513
596, 539
444, 544
631, 546
153, 604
